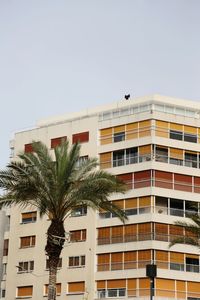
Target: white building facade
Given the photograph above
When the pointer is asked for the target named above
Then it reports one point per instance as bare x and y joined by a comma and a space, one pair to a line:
153, 144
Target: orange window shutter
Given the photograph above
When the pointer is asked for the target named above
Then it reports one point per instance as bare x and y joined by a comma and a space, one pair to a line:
118, 129
76, 287
132, 131
176, 257
105, 160
162, 255
130, 256
144, 255
131, 283
24, 291
190, 129
103, 258
116, 284
131, 203
106, 136
104, 232
144, 283
162, 128
117, 231
144, 228
145, 128
193, 289
175, 230
176, 127
58, 288
165, 287
130, 229
101, 284
119, 203
161, 228
132, 287
181, 289
145, 149
117, 257
176, 153
145, 201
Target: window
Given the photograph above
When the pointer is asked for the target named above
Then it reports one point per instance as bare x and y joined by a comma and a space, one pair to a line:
176, 135
118, 158
78, 235
29, 217
27, 241
119, 136
76, 287
5, 247
3, 293
190, 138
81, 160
161, 154
131, 155
4, 268
25, 266
192, 263
82, 137
76, 261
59, 264
58, 289
28, 148
25, 291
79, 211
57, 141
191, 160
114, 293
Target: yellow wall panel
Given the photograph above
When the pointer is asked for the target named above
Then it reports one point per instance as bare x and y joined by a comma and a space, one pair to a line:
118, 129
176, 153
190, 129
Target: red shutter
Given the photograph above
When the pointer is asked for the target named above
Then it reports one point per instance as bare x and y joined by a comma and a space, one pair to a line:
163, 179
142, 179
28, 148
183, 182
127, 178
57, 141
197, 184
82, 137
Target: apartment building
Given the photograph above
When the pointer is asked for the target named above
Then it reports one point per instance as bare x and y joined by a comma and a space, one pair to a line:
153, 144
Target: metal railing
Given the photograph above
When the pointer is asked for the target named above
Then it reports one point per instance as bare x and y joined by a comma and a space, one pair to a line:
144, 293
141, 264
135, 159
151, 209
148, 236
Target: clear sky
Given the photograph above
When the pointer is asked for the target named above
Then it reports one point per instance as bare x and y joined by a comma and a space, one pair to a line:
59, 56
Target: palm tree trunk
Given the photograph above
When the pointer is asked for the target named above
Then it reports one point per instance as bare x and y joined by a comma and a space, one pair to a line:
55, 242
53, 263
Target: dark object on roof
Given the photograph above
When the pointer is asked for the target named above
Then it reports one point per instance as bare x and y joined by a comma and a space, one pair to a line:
127, 96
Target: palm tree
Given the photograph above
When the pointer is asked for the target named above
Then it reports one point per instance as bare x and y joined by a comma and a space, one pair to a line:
192, 231
56, 185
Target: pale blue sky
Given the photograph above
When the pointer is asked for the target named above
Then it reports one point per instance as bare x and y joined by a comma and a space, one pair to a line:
59, 56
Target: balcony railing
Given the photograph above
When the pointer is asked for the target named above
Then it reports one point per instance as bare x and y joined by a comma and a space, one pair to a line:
114, 266
144, 293
151, 209
148, 236
135, 159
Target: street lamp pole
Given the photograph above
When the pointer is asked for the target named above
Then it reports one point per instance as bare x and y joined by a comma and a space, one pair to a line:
151, 272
